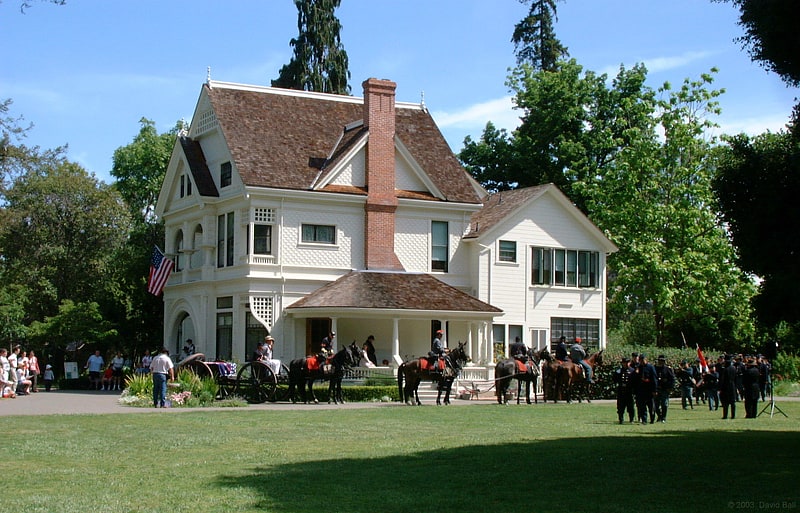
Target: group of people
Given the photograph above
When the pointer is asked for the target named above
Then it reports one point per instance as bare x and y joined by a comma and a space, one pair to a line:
20, 373
106, 377
576, 353
368, 358
644, 389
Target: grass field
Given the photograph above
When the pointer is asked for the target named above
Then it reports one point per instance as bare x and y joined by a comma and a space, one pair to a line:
483, 458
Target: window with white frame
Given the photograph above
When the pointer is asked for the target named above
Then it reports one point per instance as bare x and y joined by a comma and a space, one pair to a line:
588, 330
440, 250
565, 267
225, 239
318, 234
507, 251
261, 229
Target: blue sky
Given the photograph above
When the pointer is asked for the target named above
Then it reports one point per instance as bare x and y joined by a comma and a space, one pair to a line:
85, 73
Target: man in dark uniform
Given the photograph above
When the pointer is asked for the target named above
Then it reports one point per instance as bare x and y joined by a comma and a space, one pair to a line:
751, 389
622, 377
518, 350
561, 349
764, 378
688, 380
645, 387
666, 382
727, 387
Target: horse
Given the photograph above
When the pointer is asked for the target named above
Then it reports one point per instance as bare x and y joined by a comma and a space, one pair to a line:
304, 371
527, 372
414, 371
549, 373
570, 378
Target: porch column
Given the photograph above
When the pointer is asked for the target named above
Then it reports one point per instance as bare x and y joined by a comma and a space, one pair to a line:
335, 330
471, 328
396, 341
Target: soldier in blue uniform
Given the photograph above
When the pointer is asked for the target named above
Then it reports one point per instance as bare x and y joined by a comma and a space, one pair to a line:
622, 377
645, 386
666, 382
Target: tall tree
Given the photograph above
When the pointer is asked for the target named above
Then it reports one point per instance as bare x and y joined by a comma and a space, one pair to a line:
59, 231
139, 168
319, 62
636, 161
771, 36
656, 203
758, 184
534, 37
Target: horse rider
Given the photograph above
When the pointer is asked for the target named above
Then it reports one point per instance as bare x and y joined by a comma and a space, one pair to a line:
438, 350
561, 349
326, 347
518, 350
577, 353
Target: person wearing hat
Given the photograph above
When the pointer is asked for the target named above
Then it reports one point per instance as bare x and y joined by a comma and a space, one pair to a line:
268, 356
48, 377
437, 349
645, 386
561, 349
578, 354
727, 388
751, 389
688, 381
622, 378
327, 345
666, 383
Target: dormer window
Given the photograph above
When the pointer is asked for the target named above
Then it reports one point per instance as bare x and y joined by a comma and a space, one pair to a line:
225, 171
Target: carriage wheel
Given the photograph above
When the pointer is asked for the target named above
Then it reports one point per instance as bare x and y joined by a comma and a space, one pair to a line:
199, 367
256, 382
282, 390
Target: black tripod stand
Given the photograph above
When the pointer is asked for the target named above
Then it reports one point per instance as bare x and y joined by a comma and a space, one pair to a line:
771, 406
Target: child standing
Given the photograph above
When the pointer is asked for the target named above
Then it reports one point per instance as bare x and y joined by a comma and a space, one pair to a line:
48, 377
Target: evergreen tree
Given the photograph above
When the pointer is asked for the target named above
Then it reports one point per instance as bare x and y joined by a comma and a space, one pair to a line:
534, 38
320, 61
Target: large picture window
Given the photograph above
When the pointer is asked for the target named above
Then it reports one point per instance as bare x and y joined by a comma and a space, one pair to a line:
565, 267
588, 330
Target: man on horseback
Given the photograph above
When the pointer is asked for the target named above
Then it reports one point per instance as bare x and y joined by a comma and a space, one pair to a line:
577, 353
561, 349
518, 350
437, 351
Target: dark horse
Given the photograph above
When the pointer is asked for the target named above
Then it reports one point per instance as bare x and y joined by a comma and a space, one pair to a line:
527, 372
414, 371
570, 378
304, 371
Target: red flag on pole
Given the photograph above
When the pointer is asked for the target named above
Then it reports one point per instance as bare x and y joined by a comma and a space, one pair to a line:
703, 364
160, 269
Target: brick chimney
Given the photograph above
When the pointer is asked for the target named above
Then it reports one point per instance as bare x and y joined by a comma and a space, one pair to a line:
381, 203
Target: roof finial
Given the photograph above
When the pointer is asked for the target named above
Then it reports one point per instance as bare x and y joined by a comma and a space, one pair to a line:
422, 100
208, 75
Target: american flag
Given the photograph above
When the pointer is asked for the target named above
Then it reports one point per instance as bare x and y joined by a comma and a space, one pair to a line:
160, 269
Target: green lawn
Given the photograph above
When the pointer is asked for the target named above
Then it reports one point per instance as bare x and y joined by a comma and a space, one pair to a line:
486, 458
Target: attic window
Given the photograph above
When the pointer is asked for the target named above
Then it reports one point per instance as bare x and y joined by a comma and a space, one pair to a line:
225, 174
206, 122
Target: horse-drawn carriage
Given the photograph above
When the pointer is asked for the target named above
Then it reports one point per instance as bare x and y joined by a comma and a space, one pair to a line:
255, 381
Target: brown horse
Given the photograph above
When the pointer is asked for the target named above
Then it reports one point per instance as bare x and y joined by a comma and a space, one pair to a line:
549, 374
413, 372
510, 368
570, 378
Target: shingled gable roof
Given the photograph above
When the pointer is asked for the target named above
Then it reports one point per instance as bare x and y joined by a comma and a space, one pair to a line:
197, 165
393, 291
499, 206
281, 138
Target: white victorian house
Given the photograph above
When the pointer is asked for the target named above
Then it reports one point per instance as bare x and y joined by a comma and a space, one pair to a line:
295, 214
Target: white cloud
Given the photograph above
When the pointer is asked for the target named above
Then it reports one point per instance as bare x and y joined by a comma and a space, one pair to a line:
659, 64
499, 111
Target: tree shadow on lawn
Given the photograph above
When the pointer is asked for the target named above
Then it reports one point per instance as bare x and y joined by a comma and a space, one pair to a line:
667, 471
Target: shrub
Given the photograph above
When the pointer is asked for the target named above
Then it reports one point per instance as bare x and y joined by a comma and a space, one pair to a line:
786, 367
